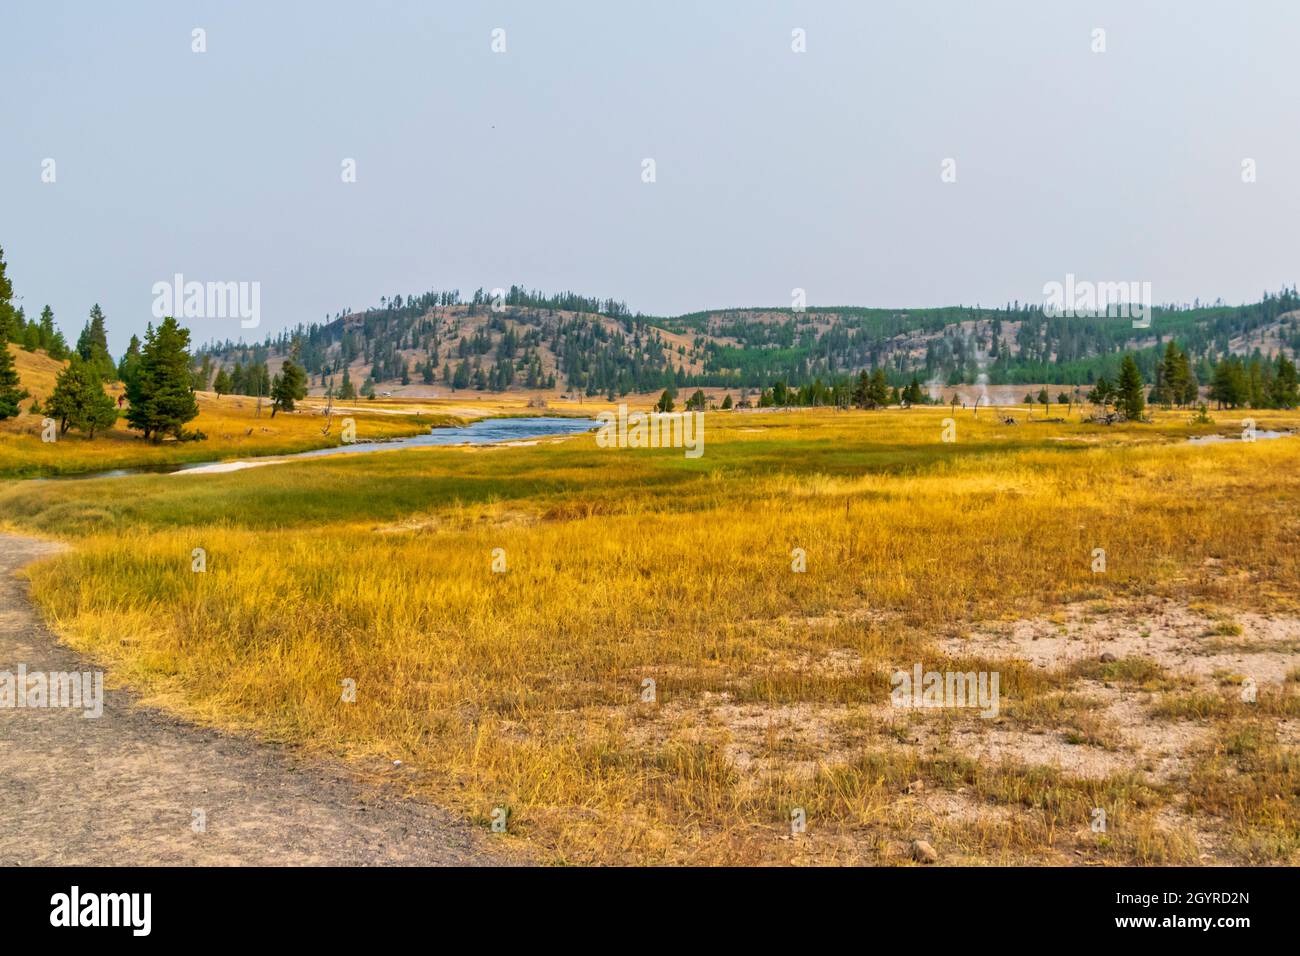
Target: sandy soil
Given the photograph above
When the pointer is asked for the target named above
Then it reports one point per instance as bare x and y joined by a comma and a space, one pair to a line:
123, 789
1184, 641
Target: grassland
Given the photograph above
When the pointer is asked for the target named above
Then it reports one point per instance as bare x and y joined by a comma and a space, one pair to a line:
523, 689
233, 425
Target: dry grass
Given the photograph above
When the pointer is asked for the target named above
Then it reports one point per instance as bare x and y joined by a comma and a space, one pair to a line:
232, 424
523, 689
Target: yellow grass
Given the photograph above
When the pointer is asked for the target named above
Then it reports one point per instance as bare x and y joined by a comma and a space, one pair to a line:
36, 370
232, 424
523, 689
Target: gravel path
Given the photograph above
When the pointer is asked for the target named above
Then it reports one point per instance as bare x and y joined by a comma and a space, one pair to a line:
122, 789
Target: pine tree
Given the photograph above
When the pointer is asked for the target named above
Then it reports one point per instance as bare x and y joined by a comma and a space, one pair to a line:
1191, 387
347, 391
221, 384
1129, 397
202, 376
161, 393
861, 388
1286, 392
1228, 387
126, 368
92, 345
79, 400
11, 390
878, 390
50, 338
1173, 375
8, 318
1257, 389
288, 387
1101, 393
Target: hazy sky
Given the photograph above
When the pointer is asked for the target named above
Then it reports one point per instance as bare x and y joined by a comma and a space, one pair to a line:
775, 169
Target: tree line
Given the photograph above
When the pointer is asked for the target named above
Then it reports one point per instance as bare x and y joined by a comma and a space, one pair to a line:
156, 374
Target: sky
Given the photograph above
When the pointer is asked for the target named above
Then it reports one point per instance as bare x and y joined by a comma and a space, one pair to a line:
824, 170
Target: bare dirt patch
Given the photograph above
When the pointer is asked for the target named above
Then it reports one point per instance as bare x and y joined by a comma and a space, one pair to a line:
1188, 642
123, 788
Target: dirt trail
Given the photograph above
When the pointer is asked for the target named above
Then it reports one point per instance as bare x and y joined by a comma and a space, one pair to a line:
122, 789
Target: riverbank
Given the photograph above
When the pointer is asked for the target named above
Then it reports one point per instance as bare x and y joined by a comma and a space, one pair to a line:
236, 429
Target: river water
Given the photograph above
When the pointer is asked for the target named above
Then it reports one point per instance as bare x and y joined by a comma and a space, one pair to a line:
486, 431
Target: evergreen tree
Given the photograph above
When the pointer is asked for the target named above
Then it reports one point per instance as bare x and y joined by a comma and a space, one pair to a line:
1286, 394
202, 375
31, 337
79, 400
347, 391
258, 380
1191, 387
1101, 392
879, 388
1257, 389
1173, 374
1228, 387
56, 347
11, 390
126, 368
1128, 394
45, 330
861, 394
221, 384
8, 317
288, 387
461, 378
92, 346
161, 392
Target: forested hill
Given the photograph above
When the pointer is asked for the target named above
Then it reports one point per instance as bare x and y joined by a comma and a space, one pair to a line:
568, 342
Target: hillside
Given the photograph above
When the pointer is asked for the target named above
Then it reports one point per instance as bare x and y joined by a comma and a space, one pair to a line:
37, 372
568, 344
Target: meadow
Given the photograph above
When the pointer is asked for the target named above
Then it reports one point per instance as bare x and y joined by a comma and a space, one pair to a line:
503, 610
232, 426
